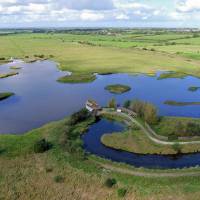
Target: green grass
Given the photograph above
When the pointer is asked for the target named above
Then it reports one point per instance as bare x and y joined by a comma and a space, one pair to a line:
118, 88
176, 103
167, 125
106, 58
22, 170
5, 95
77, 78
8, 74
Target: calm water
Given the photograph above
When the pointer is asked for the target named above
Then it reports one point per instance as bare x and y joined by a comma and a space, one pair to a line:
93, 145
40, 98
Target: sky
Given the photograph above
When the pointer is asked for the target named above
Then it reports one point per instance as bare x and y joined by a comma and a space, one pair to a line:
99, 13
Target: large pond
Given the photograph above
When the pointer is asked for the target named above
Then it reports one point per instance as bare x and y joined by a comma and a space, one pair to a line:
92, 144
39, 98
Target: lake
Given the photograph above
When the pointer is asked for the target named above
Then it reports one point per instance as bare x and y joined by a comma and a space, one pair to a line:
39, 98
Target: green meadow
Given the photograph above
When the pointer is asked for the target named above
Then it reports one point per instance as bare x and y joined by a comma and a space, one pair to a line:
64, 171
119, 52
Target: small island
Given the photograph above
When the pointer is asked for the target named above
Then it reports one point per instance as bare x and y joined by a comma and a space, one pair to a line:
176, 103
193, 88
15, 67
5, 95
8, 74
180, 75
118, 88
77, 78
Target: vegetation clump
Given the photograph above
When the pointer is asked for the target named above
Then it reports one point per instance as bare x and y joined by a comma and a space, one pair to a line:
41, 146
121, 192
77, 78
118, 88
59, 179
193, 88
110, 182
5, 95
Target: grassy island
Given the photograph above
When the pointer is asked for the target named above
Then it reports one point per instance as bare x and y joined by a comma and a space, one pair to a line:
118, 88
77, 78
193, 88
15, 67
5, 95
176, 103
8, 74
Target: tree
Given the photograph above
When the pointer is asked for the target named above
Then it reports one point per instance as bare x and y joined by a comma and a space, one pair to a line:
150, 114
127, 104
138, 107
112, 103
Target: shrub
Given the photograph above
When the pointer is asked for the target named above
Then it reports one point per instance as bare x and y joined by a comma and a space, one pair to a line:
49, 169
79, 117
59, 179
110, 182
41, 146
2, 58
177, 147
121, 192
127, 104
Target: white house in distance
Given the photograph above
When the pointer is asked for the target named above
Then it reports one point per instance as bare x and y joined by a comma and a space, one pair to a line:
92, 106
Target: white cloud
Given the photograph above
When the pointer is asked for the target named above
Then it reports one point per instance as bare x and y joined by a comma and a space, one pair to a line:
90, 16
188, 5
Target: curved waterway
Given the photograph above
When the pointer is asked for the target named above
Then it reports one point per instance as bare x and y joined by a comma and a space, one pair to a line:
39, 98
93, 145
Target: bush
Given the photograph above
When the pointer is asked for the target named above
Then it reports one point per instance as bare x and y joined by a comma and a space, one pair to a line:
59, 179
79, 117
121, 192
2, 58
127, 104
41, 146
110, 182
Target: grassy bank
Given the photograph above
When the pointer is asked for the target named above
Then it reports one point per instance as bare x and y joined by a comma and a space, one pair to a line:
118, 88
5, 95
8, 74
77, 78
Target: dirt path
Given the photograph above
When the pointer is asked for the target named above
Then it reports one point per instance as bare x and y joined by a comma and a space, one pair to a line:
148, 174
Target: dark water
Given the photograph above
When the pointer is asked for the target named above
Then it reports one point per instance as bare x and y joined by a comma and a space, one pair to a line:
40, 98
92, 144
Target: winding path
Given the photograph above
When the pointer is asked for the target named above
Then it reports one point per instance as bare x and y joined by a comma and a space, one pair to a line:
133, 172
149, 134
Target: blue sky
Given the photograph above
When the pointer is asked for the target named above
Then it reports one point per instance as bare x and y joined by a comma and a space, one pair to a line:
95, 13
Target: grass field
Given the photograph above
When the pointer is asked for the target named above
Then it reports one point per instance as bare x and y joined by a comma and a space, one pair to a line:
26, 175
127, 52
